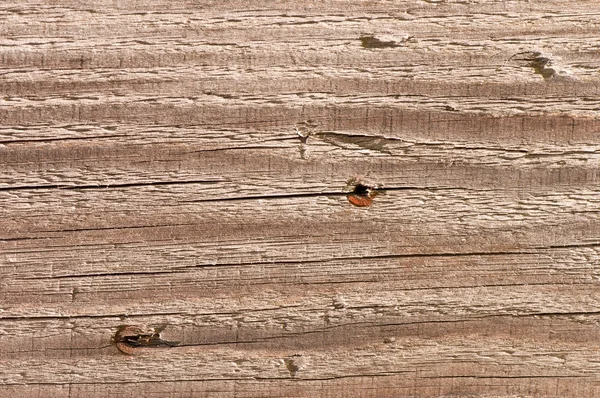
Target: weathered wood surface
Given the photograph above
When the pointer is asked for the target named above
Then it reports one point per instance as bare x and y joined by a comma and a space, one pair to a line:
151, 174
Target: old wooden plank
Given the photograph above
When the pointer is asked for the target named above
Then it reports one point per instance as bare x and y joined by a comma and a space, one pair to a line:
151, 174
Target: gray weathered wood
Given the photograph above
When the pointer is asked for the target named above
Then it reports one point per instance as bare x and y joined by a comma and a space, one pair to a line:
151, 175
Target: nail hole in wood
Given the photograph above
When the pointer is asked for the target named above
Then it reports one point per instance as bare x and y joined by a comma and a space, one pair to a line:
362, 195
128, 338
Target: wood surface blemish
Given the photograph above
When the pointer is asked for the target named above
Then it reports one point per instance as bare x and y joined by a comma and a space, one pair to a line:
294, 364
373, 42
128, 338
543, 65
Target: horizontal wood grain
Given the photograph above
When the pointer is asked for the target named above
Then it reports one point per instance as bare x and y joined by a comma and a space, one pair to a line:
185, 167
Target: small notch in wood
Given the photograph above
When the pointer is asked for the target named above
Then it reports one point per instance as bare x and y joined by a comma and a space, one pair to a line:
303, 135
304, 130
294, 364
370, 41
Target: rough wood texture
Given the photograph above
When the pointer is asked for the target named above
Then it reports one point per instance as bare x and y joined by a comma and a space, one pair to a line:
151, 175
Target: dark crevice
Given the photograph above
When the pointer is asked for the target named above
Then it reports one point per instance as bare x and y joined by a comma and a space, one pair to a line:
111, 228
441, 254
328, 329
105, 186
43, 140
569, 246
316, 261
22, 239
265, 197
313, 194
346, 376
98, 316
237, 148
104, 274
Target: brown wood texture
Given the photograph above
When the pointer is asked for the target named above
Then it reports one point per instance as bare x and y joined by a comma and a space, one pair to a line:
151, 175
